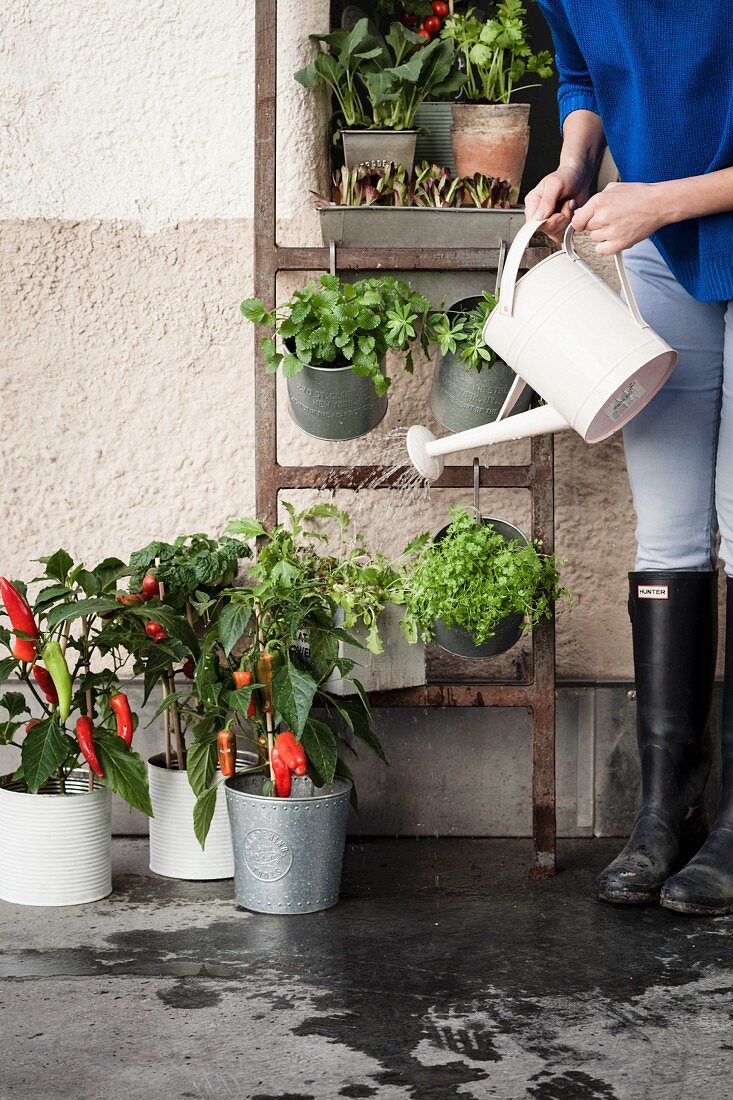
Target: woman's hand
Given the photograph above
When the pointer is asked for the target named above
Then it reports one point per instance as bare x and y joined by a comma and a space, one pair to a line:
622, 214
561, 191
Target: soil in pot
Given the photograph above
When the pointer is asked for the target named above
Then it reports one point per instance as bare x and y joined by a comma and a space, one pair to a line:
459, 641
56, 847
174, 850
334, 403
460, 398
491, 138
288, 852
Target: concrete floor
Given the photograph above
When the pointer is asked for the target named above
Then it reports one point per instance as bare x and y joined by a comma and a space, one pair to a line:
444, 973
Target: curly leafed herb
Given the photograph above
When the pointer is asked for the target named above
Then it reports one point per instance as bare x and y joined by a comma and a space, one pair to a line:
474, 578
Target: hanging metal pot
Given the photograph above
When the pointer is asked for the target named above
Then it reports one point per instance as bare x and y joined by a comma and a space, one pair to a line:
460, 398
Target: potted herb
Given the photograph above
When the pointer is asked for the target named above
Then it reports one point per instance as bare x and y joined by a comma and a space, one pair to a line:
288, 815
378, 88
490, 133
335, 337
74, 728
178, 585
470, 383
476, 585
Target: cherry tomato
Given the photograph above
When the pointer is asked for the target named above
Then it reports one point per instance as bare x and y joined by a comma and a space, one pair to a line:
130, 599
152, 628
440, 9
408, 20
425, 34
431, 24
188, 668
150, 586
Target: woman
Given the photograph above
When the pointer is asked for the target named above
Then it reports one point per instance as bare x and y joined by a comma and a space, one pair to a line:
657, 79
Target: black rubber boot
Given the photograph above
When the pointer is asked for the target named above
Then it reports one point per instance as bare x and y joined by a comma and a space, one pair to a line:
674, 628
705, 886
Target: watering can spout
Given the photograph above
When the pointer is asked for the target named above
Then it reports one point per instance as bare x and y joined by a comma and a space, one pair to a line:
426, 452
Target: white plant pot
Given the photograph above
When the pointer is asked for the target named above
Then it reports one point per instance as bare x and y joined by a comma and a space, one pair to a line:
400, 664
55, 849
174, 850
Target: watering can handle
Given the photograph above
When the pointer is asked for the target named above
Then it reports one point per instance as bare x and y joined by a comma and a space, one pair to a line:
514, 259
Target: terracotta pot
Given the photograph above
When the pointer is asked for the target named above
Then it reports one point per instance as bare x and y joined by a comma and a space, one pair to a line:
492, 138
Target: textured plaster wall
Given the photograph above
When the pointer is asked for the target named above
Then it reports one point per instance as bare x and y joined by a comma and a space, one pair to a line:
126, 156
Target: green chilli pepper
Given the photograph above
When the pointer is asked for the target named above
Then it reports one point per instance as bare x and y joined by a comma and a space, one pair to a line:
55, 662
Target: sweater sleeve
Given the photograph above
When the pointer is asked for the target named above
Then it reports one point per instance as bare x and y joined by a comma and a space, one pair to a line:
576, 91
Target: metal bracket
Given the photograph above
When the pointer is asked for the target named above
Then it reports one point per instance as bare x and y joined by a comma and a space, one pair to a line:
477, 489
332, 258
503, 247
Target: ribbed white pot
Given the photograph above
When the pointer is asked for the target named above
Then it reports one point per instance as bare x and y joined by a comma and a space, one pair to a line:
174, 850
55, 849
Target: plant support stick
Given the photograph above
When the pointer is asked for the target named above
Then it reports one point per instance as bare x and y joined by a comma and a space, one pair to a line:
89, 701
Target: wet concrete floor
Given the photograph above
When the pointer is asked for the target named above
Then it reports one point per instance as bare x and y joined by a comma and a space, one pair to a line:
444, 973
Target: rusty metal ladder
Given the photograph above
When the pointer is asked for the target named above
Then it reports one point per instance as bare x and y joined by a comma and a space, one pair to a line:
536, 692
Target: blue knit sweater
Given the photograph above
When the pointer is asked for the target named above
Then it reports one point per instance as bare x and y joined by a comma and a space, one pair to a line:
660, 75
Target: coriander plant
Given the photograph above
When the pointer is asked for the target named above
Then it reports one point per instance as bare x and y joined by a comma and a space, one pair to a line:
495, 54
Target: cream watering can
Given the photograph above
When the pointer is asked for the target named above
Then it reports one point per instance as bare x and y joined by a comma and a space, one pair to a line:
568, 335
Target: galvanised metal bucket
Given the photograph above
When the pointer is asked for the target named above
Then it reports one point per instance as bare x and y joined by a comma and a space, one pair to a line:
174, 850
378, 148
55, 849
334, 403
457, 640
288, 852
460, 398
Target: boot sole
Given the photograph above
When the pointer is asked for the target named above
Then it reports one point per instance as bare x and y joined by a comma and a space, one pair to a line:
690, 909
630, 897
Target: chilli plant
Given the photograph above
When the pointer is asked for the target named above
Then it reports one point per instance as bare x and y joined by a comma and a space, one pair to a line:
473, 577
178, 582
495, 54
67, 645
266, 659
335, 324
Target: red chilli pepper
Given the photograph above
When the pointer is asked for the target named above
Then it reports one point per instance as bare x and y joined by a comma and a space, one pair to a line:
21, 619
29, 725
23, 650
283, 778
226, 744
121, 706
85, 737
188, 668
291, 752
243, 678
43, 678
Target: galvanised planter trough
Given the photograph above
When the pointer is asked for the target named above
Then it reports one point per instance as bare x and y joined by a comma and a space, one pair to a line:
174, 850
334, 403
460, 398
459, 641
378, 148
55, 848
416, 227
288, 852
